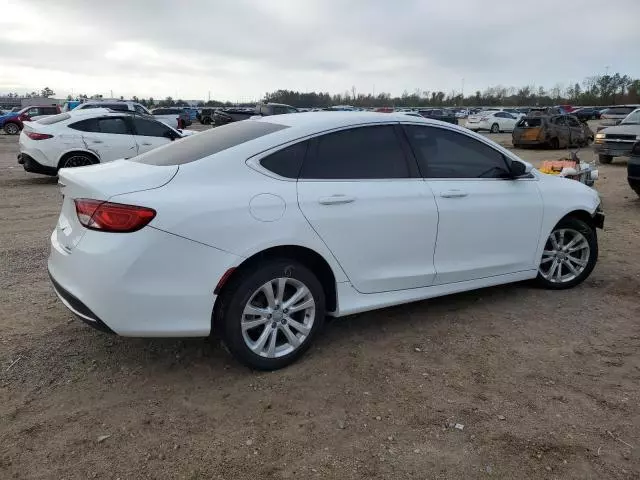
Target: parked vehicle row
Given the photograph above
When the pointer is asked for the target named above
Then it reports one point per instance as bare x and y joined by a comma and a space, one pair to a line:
258, 212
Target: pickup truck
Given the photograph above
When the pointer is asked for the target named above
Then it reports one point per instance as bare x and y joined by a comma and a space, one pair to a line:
618, 140
228, 115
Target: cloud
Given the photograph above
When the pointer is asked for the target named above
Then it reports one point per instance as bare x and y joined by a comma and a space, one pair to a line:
239, 50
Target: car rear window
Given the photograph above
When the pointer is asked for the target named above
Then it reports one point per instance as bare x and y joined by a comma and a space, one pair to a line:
207, 143
530, 122
54, 119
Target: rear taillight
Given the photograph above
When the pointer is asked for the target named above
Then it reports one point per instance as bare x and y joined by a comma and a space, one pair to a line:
112, 217
38, 136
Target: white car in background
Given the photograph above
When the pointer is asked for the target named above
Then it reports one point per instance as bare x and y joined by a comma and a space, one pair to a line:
494, 121
86, 137
259, 228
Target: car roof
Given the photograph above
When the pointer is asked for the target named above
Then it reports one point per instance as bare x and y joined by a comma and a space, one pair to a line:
309, 123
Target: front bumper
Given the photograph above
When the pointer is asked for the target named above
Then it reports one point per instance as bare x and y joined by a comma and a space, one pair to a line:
613, 150
147, 283
30, 164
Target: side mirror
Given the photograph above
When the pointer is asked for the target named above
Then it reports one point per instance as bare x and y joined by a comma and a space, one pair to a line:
519, 169
170, 134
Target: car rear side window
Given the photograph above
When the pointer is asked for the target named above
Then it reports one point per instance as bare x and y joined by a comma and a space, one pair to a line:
573, 122
207, 143
443, 153
115, 125
357, 153
88, 125
150, 128
286, 162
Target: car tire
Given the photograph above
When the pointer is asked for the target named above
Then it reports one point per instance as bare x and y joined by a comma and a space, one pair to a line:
247, 294
77, 160
605, 159
554, 144
11, 128
574, 254
495, 128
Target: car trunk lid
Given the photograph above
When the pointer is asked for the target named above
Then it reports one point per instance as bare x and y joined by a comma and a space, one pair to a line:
101, 182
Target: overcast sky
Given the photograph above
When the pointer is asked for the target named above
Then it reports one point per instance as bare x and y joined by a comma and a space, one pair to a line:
240, 49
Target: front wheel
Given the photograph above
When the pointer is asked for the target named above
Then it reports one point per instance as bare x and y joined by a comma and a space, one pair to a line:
271, 314
495, 128
11, 128
569, 255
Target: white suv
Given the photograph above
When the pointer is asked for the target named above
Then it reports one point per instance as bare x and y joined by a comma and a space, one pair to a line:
86, 137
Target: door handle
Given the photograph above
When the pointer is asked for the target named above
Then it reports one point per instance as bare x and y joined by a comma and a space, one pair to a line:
97, 141
454, 194
146, 144
336, 200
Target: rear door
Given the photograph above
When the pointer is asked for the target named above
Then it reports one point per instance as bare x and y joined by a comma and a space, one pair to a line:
150, 134
489, 224
506, 121
361, 193
110, 137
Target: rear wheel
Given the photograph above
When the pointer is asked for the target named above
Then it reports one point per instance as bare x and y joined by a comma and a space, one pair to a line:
554, 143
495, 128
77, 160
270, 315
11, 128
605, 159
569, 255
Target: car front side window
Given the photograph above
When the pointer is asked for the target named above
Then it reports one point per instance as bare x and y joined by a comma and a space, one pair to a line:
444, 153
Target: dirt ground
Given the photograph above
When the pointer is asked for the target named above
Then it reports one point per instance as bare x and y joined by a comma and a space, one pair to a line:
546, 384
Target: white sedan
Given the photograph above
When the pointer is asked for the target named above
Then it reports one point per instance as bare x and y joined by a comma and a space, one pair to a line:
86, 137
259, 229
492, 121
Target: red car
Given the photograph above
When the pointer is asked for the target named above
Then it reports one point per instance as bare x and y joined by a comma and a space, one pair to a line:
567, 108
12, 123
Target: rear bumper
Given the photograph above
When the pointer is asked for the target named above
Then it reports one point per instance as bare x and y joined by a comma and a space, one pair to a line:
80, 309
143, 284
30, 164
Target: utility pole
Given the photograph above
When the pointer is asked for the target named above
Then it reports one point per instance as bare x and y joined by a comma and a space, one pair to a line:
111, 93
462, 92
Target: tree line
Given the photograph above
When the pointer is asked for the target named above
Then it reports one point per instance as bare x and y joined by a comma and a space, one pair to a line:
594, 90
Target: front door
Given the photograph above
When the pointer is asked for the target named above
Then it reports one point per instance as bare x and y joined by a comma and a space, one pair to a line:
489, 224
110, 138
362, 195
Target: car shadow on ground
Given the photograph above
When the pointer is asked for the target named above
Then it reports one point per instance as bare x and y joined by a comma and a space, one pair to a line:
79, 348
29, 181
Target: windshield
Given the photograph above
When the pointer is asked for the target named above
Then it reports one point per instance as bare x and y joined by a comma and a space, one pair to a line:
632, 119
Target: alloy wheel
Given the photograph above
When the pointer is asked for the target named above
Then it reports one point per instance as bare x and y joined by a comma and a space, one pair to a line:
11, 129
77, 161
278, 317
565, 257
